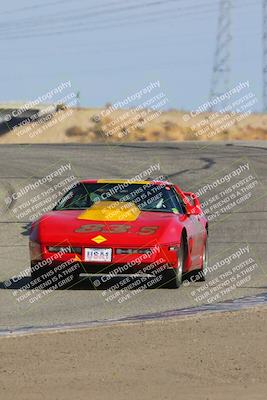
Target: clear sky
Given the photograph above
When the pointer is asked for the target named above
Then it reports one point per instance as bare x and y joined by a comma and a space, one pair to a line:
109, 49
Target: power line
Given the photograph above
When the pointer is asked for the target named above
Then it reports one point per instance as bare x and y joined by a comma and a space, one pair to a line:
122, 20
98, 10
63, 18
163, 41
34, 7
51, 3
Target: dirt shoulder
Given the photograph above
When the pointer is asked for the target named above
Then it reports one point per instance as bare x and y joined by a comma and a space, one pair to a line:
215, 357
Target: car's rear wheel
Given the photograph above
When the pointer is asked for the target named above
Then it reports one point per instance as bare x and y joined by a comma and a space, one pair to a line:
174, 277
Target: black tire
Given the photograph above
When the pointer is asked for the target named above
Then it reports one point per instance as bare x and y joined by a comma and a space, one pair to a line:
173, 278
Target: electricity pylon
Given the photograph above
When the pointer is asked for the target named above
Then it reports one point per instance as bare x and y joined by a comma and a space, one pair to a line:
264, 44
222, 67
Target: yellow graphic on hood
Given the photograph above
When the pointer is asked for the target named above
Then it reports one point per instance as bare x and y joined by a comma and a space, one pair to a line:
111, 211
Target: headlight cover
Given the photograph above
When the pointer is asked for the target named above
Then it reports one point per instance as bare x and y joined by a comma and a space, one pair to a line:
133, 251
64, 249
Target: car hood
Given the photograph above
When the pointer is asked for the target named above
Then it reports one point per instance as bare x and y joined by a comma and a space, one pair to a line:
123, 227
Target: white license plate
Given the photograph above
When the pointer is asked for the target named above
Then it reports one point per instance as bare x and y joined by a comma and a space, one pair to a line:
98, 255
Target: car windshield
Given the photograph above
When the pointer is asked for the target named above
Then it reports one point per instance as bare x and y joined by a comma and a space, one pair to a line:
147, 197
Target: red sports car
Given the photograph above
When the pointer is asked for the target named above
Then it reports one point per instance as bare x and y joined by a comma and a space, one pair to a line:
113, 227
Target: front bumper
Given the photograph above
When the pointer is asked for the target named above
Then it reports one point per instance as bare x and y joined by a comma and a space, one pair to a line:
121, 263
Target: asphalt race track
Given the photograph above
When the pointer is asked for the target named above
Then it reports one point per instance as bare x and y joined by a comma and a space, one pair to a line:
192, 165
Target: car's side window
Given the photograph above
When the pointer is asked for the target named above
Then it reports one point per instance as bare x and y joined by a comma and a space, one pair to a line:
179, 202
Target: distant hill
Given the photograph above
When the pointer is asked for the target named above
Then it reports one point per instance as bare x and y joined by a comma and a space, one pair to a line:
101, 125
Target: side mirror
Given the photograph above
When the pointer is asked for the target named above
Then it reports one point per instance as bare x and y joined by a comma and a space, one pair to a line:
192, 204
